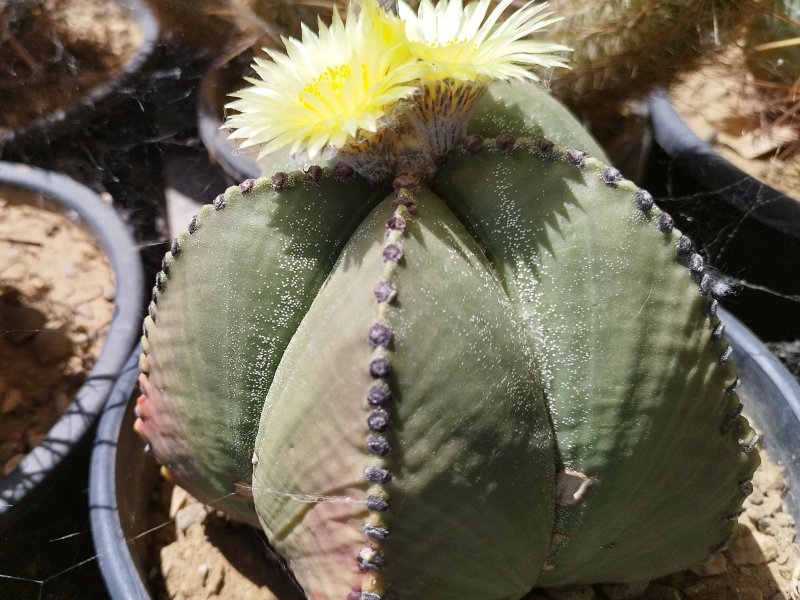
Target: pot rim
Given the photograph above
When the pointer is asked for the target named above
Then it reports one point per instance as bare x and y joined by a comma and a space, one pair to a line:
83, 412
775, 209
123, 580
119, 572
221, 150
57, 122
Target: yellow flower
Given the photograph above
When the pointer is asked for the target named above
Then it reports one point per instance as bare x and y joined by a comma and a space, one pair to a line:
329, 88
464, 44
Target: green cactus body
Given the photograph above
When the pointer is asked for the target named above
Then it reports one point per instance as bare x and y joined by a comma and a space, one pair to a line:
467, 427
627, 490
507, 378
211, 406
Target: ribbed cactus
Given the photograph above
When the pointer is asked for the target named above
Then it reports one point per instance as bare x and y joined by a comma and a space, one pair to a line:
456, 384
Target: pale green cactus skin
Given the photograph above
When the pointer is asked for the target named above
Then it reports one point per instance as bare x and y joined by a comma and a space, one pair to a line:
620, 414
561, 410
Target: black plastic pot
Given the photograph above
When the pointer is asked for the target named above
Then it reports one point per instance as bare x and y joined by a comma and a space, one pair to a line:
38, 471
67, 119
123, 478
224, 76
123, 481
747, 229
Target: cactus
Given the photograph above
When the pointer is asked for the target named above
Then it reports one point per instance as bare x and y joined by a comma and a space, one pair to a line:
626, 48
482, 374
772, 44
23, 23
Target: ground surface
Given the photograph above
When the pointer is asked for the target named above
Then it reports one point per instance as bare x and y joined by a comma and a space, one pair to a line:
56, 304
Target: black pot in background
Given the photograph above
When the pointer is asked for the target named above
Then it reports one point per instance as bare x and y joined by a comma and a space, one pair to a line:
39, 471
747, 230
222, 77
123, 479
45, 129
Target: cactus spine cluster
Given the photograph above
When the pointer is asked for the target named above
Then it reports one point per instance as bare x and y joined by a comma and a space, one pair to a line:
623, 49
454, 384
778, 28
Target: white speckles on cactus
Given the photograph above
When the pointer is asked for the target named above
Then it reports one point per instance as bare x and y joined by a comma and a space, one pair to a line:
556, 388
632, 375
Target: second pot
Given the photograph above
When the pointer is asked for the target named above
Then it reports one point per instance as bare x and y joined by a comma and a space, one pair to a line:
38, 470
747, 229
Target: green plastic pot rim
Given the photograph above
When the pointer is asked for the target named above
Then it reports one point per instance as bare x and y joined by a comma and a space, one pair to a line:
62, 120
76, 422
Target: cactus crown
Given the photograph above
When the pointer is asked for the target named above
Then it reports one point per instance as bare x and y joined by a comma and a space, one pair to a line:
483, 374
397, 110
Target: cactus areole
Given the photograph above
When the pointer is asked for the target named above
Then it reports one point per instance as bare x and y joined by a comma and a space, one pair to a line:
462, 359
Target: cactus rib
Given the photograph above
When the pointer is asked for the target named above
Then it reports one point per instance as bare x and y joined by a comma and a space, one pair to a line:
549, 238
452, 389
299, 227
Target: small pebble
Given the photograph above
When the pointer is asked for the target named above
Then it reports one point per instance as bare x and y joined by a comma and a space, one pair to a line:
769, 505
749, 593
12, 463
51, 346
8, 449
11, 401
188, 516
34, 438
83, 310
663, 592
708, 589
715, 565
179, 499
215, 580
62, 401
625, 591
23, 323
750, 547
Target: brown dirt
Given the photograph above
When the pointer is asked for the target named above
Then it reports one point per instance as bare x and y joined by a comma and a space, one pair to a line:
52, 54
744, 120
56, 303
207, 556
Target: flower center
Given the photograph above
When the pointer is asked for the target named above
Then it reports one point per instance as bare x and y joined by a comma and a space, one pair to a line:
330, 80
448, 43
